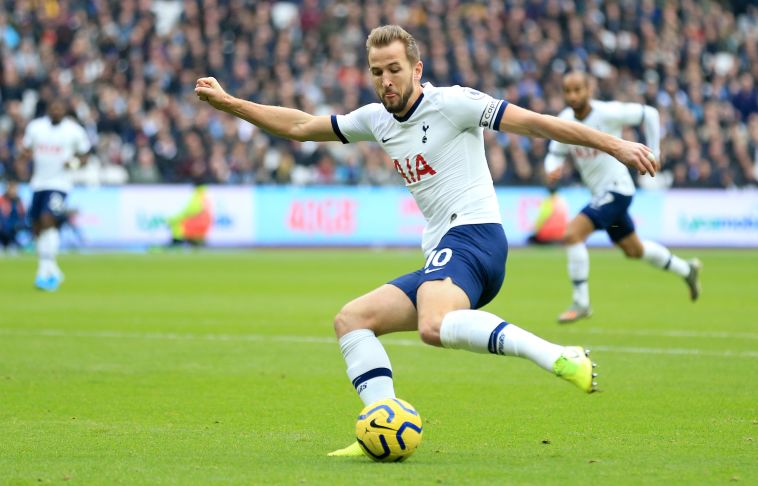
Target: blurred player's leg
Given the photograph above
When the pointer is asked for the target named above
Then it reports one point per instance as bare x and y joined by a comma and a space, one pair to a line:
693, 278
49, 274
659, 256
578, 265
46, 206
579, 272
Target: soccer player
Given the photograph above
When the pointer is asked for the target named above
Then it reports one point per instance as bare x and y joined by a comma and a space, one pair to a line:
612, 191
435, 138
52, 142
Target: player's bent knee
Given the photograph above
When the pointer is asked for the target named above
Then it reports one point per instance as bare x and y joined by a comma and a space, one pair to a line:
429, 332
571, 239
343, 324
633, 252
350, 318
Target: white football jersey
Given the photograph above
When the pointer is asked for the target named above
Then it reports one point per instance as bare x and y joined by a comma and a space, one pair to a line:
600, 171
52, 146
438, 150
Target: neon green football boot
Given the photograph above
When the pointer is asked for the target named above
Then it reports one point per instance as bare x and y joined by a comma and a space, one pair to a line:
353, 450
574, 365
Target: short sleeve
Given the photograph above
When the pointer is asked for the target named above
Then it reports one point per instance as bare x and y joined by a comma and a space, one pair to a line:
356, 126
469, 108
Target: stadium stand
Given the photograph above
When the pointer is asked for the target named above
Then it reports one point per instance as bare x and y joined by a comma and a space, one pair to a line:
129, 67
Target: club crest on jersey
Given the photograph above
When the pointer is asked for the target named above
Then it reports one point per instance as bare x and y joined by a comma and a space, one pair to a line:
424, 127
472, 93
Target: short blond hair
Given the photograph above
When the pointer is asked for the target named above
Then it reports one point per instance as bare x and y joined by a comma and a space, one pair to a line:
387, 34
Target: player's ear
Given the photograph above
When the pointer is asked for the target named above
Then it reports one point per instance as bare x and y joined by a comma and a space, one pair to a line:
418, 70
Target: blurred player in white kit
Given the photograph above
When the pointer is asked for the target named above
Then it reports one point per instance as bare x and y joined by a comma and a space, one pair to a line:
612, 190
56, 144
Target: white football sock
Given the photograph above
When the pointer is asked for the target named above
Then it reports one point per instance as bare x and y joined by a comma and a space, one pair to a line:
659, 256
482, 332
47, 249
579, 272
368, 365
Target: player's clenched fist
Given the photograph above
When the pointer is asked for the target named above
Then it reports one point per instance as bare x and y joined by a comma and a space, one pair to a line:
637, 156
209, 90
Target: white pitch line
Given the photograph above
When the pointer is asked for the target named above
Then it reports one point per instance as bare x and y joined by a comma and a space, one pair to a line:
332, 341
665, 333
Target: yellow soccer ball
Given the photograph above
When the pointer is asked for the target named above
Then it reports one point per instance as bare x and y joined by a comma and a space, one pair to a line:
389, 430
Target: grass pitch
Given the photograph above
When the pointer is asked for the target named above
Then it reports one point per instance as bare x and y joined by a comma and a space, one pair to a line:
221, 368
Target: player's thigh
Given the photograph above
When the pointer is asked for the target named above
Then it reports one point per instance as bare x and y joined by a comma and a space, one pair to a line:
47, 208
436, 298
383, 310
631, 245
579, 229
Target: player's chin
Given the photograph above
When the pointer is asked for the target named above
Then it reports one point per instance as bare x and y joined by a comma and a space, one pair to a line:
392, 107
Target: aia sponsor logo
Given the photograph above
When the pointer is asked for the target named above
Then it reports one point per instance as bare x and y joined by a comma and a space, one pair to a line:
414, 171
584, 152
48, 149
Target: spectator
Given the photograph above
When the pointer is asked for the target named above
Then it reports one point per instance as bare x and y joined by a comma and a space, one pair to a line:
12, 217
135, 64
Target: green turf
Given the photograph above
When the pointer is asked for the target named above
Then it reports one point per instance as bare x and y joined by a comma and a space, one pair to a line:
220, 368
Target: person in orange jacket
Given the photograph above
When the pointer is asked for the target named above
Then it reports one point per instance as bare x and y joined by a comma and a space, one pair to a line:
194, 222
552, 220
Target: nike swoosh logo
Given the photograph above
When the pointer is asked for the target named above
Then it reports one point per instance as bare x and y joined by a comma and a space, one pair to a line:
377, 426
385, 140
430, 270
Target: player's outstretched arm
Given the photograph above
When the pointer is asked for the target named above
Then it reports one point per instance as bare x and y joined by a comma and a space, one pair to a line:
283, 122
526, 122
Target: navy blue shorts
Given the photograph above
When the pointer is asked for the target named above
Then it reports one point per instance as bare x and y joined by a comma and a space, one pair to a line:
610, 212
53, 202
473, 256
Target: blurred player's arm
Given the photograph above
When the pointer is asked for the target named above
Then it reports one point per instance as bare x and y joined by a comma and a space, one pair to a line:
24, 155
283, 122
556, 157
83, 148
79, 160
636, 114
526, 122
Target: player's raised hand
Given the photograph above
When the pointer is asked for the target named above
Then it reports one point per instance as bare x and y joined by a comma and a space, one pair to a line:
209, 90
637, 156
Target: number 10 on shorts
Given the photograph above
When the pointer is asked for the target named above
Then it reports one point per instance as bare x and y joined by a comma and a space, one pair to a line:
438, 258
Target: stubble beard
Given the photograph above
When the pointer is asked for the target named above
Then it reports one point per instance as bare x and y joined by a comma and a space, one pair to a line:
401, 103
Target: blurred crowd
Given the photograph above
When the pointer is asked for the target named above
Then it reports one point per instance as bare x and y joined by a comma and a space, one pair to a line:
129, 67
